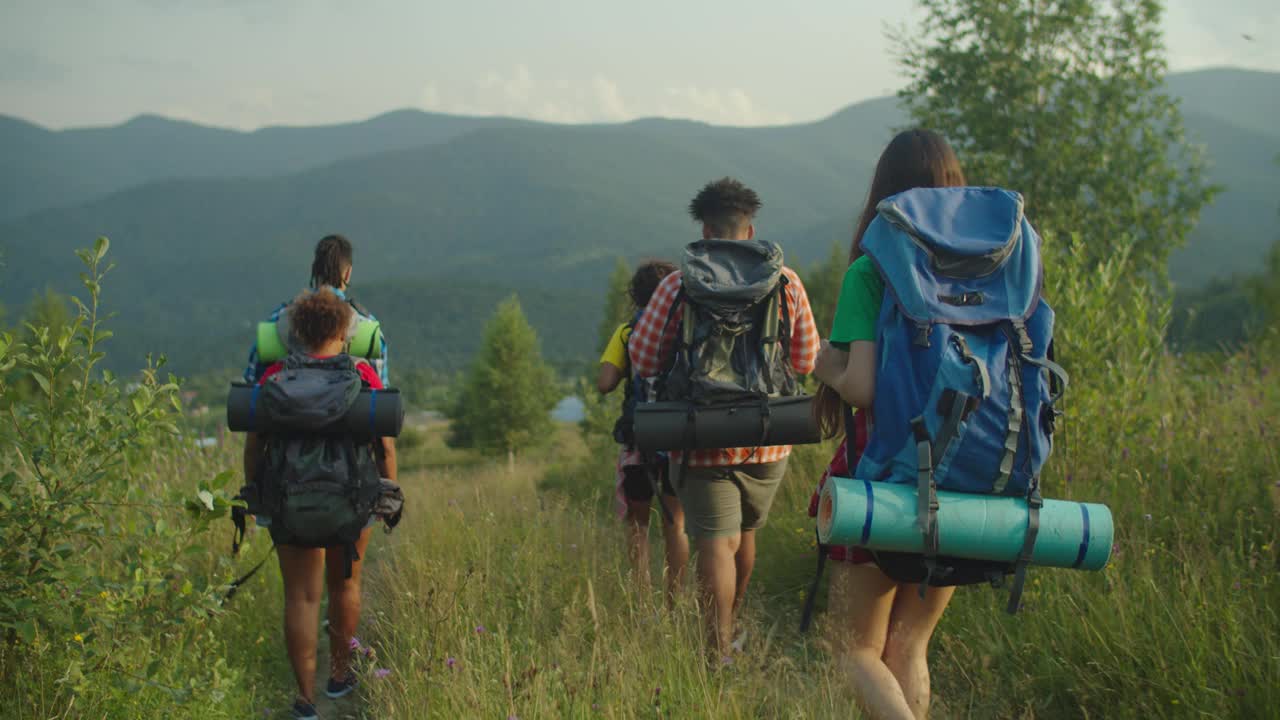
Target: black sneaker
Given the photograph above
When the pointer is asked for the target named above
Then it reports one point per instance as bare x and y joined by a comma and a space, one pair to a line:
304, 711
341, 688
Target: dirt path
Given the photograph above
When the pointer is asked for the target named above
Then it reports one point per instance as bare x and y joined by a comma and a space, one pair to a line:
347, 708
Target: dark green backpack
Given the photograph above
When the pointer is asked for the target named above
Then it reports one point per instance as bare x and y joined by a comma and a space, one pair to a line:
318, 484
734, 335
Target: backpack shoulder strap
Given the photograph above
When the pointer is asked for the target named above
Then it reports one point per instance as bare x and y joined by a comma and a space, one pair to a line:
360, 309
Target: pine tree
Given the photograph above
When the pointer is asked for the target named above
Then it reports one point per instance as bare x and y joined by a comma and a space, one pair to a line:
1063, 101
822, 282
617, 304
507, 396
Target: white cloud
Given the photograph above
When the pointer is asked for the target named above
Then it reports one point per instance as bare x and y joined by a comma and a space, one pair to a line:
726, 107
609, 99
520, 92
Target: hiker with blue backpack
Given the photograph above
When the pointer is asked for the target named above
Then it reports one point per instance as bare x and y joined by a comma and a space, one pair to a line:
642, 476
318, 480
941, 344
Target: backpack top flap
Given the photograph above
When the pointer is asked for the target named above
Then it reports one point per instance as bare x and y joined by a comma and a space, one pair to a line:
309, 393
960, 256
730, 275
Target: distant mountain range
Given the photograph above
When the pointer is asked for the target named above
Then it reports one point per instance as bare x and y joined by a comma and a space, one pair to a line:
212, 227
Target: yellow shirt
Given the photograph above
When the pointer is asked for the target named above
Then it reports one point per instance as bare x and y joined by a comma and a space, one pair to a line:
615, 353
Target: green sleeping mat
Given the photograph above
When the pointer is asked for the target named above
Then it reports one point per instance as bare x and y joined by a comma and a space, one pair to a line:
365, 342
882, 516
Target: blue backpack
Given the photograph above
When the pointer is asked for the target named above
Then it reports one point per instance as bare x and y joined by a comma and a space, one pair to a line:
965, 384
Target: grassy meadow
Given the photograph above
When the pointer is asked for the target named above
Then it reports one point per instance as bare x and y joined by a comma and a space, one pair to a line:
507, 595
505, 592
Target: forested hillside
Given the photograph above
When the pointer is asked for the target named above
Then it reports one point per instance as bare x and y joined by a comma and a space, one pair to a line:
438, 204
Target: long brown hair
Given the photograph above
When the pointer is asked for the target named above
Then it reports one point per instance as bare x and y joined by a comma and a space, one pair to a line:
913, 159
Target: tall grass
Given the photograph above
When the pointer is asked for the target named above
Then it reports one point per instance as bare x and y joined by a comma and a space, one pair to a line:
508, 594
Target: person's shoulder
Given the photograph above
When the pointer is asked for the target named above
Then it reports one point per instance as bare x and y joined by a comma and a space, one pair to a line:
792, 276
668, 287
863, 264
864, 270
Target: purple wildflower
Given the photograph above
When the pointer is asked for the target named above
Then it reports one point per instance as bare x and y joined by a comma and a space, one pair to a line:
657, 691
1235, 585
381, 673
450, 662
480, 630
1124, 454
354, 643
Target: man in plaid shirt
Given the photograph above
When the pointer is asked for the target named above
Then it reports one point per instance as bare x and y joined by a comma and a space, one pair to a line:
726, 493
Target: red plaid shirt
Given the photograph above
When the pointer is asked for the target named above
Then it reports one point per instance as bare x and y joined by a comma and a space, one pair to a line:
651, 346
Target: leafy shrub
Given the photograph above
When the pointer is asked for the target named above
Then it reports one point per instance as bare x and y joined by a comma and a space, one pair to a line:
101, 561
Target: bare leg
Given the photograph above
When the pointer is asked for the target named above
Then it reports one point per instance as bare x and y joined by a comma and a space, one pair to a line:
303, 573
861, 603
717, 583
744, 562
637, 522
907, 649
676, 547
344, 604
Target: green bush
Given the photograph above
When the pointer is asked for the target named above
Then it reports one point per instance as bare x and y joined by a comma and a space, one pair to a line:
105, 507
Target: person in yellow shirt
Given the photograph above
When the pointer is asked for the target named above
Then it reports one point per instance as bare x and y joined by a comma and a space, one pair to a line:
640, 477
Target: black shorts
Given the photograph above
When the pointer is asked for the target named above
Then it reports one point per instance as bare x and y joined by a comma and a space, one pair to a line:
638, 487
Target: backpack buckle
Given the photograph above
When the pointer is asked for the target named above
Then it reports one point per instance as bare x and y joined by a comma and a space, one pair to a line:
1023, 337
922, 334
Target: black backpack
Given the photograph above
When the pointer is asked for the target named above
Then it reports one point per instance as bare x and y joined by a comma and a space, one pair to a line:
318, 484
732, 346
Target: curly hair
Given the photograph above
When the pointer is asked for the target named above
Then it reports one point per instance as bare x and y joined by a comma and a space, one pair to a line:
319, 316
724, 205
332, 258
646, 279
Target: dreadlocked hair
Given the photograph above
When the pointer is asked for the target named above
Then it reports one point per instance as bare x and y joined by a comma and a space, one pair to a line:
333, 257
724, 206
319, 316
646, 279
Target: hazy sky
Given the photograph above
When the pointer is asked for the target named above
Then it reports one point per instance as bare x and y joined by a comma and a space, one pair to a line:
246, 63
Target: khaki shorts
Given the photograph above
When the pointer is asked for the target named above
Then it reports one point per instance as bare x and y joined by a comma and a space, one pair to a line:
720, 501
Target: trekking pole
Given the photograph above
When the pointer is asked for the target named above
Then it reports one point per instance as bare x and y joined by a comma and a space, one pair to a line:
656, 486
235, 584
806, 615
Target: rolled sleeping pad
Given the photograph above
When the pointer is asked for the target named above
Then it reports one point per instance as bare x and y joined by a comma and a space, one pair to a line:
365, 341
882, 516
375, 413
685, 426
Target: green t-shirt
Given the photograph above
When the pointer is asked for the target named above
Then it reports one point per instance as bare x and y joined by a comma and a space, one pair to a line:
858, 308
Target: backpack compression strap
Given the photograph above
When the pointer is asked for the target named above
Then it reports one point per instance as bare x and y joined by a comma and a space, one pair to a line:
927, 504
1034, 503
